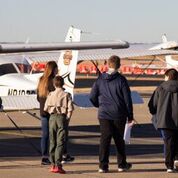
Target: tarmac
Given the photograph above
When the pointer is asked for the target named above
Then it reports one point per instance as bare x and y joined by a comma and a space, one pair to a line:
20, 157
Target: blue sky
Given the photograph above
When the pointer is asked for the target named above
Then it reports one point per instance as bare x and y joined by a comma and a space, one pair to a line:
48, 20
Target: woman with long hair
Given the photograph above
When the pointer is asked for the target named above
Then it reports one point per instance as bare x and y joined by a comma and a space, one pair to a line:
45, 86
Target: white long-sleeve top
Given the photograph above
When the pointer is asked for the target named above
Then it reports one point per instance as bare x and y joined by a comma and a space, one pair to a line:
60, 102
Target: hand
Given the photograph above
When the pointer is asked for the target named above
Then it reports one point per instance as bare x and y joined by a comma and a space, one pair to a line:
68, 119
131, 123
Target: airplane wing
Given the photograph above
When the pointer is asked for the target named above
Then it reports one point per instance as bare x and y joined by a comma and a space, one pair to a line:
135, 50
29, 102
14, 48
22, 102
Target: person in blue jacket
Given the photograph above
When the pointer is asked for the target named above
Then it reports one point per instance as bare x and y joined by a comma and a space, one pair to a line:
111, 95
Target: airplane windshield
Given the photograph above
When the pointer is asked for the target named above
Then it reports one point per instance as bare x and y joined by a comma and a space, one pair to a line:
7, 69
14, 68
24, 68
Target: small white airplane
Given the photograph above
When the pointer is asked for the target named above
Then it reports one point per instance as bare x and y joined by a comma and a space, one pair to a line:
18, 89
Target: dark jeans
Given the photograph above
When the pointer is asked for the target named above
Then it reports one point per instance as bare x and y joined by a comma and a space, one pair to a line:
170, 138
44, 136
163, 137
57, 132
111, 129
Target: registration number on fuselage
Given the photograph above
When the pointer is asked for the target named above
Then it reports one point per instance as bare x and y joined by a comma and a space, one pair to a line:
20, 92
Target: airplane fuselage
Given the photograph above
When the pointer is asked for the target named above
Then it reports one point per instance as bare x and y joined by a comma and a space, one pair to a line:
17, 84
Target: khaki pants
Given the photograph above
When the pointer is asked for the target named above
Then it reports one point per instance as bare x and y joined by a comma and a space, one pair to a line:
57, 137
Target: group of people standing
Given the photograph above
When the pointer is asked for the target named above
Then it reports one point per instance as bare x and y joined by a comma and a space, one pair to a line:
112, 96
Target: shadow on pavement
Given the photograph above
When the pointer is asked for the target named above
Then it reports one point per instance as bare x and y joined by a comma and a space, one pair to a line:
139, 130
83, 141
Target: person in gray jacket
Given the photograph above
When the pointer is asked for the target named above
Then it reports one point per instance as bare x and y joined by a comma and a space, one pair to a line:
164, 106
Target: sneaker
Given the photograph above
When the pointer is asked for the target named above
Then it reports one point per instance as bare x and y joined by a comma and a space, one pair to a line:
60, 170
57, 169
54, 169
125, 167
67, 158
45, 161
170, 170
103, 170
176, 165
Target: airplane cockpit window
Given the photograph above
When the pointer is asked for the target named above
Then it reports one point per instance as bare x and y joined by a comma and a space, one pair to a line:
7, 69
24, 68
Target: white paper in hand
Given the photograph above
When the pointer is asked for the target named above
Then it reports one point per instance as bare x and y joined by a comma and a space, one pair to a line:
127, 133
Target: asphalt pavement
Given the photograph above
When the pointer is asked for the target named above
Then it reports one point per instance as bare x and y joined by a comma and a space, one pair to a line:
20, 147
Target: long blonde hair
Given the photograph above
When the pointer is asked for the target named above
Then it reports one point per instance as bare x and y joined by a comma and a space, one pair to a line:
46, 79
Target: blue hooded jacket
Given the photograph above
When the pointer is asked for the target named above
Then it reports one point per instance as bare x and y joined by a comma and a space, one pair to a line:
111, 94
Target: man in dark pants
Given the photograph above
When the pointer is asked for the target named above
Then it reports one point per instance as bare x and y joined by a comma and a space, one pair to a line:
111, 94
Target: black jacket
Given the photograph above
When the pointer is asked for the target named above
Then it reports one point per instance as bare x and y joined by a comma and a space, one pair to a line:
164, 104
112, 95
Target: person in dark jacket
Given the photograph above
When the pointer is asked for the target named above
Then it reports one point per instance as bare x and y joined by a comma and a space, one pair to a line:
164, 106
45, 85
111, 94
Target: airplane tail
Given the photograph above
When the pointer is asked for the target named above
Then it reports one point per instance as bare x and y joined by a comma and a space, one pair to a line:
164, 38
67, 63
